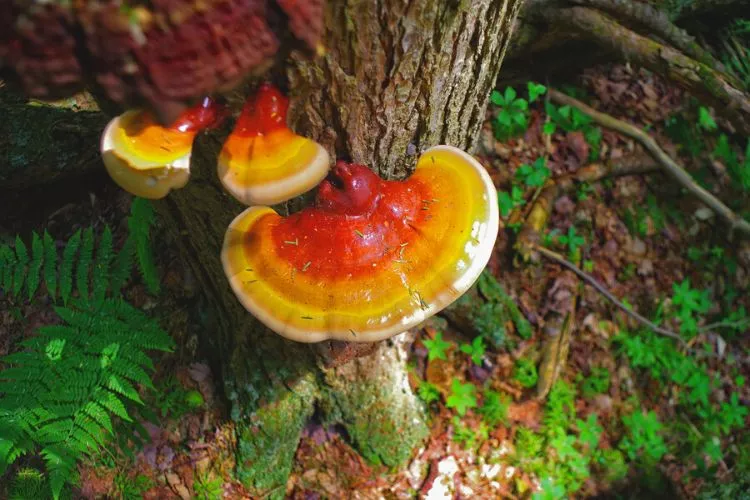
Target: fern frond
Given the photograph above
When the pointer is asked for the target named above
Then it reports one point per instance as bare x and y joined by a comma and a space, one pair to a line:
66, 267
22, 260
7, 267
139, 225
35, 266
104, 255
84, 263
50, 265
123, 267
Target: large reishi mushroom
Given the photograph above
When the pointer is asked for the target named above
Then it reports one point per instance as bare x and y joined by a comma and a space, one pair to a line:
149, 160
372, 258
263, 162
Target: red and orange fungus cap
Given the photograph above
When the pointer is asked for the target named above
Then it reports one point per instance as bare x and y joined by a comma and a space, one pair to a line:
372, 258
263, 162
147, 159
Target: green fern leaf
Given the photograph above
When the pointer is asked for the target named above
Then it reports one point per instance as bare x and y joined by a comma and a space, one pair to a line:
50, 265
7, 267
139, 224
84, 263
113, 403
22, 260
60, 467
101, 266
122, 386
123, 267
66, 267
35, 266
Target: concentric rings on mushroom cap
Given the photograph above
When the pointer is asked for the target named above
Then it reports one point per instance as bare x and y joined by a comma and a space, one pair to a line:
373, 258
147, 159
263, 162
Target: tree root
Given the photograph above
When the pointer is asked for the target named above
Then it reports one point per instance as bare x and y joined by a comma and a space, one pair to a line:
656, 22
667, 163
698, 78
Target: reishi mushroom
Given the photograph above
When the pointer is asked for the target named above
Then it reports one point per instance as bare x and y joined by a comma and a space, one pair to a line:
372, 258
149, 160
263, 162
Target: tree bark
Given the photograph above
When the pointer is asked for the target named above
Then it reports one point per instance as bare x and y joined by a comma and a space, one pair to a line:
397, 78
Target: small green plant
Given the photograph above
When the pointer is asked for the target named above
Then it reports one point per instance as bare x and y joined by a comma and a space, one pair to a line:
572, 240
206, 488
513, 117
494, 409
463, 397
596, 383
691, 304
739, 169
428, 392
437, 347
475, 350
28, 484
534, 175
525, 373
643, 440
466, 437
571, 119
127, 488
172, 400
509, 201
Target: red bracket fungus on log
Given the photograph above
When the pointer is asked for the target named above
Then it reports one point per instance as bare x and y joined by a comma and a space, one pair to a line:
163, 54
149, 160
372, 258
263, 162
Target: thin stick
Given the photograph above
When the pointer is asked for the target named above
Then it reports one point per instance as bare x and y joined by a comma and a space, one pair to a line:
559, 259
666, 161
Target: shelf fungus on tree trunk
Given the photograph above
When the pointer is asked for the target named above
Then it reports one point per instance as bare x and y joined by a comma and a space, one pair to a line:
372, 258
263, 162
148, 160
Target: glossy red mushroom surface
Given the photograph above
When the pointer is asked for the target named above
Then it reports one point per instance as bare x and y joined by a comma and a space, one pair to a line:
371, 258
263, 162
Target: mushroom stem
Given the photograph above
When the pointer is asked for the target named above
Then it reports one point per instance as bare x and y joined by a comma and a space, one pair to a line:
359, 192
263, 113
208, 114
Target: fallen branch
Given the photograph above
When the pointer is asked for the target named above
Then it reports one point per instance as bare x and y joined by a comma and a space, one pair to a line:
697, 78
669, 165
559, 259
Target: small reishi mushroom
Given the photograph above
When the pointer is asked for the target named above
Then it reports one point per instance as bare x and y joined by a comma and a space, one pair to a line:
372, 258
149, 160
263, 162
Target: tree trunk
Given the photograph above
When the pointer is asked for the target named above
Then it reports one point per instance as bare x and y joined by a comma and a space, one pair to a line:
397, 78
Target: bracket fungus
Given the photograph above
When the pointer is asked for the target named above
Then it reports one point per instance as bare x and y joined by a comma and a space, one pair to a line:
372, 258
149, 160
263, 162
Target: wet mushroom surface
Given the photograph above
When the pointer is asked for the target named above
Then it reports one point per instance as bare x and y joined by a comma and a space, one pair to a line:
263, 162
147, 159
371, 258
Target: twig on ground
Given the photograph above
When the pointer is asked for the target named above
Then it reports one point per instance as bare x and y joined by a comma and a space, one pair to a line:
559, 259
669, 165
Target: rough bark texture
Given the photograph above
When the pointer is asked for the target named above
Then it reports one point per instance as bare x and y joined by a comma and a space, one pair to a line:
398, 77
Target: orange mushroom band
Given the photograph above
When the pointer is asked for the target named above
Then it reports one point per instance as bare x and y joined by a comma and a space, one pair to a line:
372, 258
263, 162
148, 160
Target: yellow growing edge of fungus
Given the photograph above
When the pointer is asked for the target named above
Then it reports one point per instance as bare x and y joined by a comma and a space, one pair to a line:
372, 258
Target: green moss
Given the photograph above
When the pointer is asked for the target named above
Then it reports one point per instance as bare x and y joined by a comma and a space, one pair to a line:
267, 440
382, 427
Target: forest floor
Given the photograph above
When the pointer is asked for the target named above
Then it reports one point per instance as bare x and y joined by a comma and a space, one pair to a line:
589, 402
